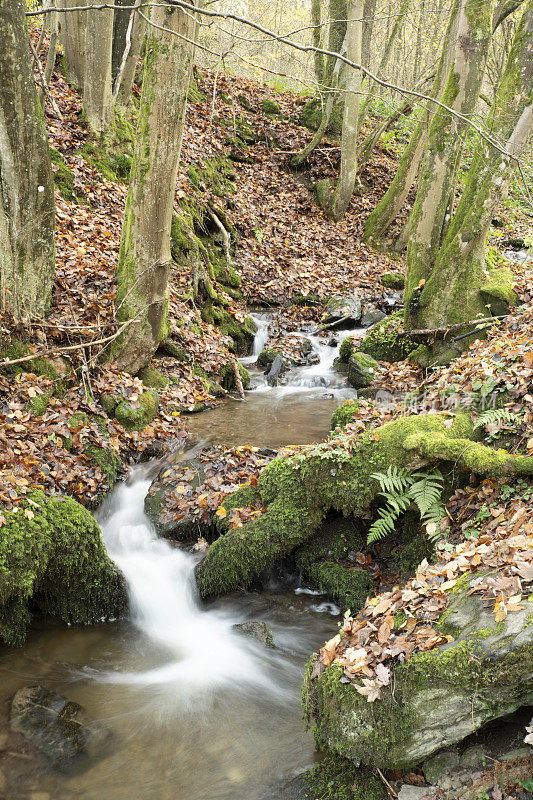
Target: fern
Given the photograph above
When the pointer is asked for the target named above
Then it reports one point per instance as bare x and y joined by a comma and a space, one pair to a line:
494, 415
400, 489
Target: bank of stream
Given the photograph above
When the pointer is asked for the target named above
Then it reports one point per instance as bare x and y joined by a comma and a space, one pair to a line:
197, 710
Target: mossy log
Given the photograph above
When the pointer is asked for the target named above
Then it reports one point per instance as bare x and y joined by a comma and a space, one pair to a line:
52, 554
300, 489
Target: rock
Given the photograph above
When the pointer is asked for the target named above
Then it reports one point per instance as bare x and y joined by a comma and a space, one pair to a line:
136, 415
370, 316
362, 370
275, 370
383, 343
57, 727
440, 765
341, 308
267, 357
256, 630
440, 696
332, 342
270, 107
408, 792
186, 528
393, 280
473, 757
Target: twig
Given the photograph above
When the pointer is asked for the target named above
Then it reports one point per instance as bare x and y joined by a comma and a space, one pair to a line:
385, 781
55, 350
43, 83
441, 333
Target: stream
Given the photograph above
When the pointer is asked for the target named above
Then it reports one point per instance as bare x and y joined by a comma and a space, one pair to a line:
198, 710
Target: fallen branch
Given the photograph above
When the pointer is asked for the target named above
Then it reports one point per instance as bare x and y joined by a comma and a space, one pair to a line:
442, 333
57, 350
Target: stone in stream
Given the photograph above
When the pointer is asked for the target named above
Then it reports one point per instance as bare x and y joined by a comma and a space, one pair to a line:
275, 371
57, 727
345, 308
155, 503
362, 370
256, 630
439, 697
371, 315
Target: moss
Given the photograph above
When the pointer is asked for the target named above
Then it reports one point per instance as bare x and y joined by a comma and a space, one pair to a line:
311, 116
348, 587
383, 343
112, 153
498, 291
153, 378
242, 333
228, 376
51, 553
337, 778
135, 417
270, 107
176, 351
63, 176
346, 349
267, 357
38, 405
393, 280
362, 369
38, 366
344, 413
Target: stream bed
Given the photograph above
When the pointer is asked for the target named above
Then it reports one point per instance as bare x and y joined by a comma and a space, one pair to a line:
198, 711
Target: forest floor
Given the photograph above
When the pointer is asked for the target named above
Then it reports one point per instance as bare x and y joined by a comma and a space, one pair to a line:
285, 245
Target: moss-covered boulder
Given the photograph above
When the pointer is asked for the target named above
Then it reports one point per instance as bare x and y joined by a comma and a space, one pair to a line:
153, 378
299, 490
52, 557
383, 343
256, 630
349, 587
436, 698
270, 107
135, 415
267, 357
362, 369
393, 280
343, 415
341, 308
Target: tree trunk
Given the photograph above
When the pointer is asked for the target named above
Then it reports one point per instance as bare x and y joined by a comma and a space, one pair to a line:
121, 18
144, 260
130, 58
73, 25
350, 127
27, 215
97, 95
390, 205
316, 22
51, 55
444, 140
461, 284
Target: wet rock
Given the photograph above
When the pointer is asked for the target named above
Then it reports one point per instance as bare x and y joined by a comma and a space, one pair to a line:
440, 696
341, 308
371, 315
417, 792
332, 342
362, 370
57, 727
256, 630
277, 369
267, 357
155, 502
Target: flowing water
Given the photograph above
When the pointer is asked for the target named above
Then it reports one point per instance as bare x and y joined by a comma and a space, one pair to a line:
198, 711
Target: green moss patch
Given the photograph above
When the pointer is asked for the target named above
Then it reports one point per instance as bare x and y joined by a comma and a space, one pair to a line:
135, 416
383, 342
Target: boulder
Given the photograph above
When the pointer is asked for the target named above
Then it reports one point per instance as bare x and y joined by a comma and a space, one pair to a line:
362, 370
370, 316
342, 308
384, 343
438, 697
155, 505
57, 727
275, 370
256, 630
393, 280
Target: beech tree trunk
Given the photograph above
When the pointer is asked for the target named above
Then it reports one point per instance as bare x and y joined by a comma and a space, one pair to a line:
144, 260
316, 22
390, 205
72, 26
474, 31
130, 58
27, 214
461, 285
97, 90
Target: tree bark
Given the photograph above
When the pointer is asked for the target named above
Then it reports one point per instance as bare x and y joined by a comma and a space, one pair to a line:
144, 260
460, 284
27, 215
73, 26
444, 140
97, 94
316, 22
130, 58
390, 205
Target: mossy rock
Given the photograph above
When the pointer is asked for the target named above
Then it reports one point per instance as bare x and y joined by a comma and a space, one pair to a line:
362, 369
270, 107
135, 416
153, 378
438, 697
346, 349
267, 357
112, 153
498, 290
256, 630
393, 280
343, 415
311, 116
242, 497
348, 587
228, 376
185, 529
383, 343
176, 351
242, 333
57, 371
38, 404
333, 541
52, 556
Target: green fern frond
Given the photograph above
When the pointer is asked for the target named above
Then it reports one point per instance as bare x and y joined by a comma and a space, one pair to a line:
396, 479
383, 525
494, 415
426, 491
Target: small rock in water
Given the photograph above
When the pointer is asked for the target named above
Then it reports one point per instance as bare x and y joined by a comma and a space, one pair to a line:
333, 342
57, 726
256, 630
